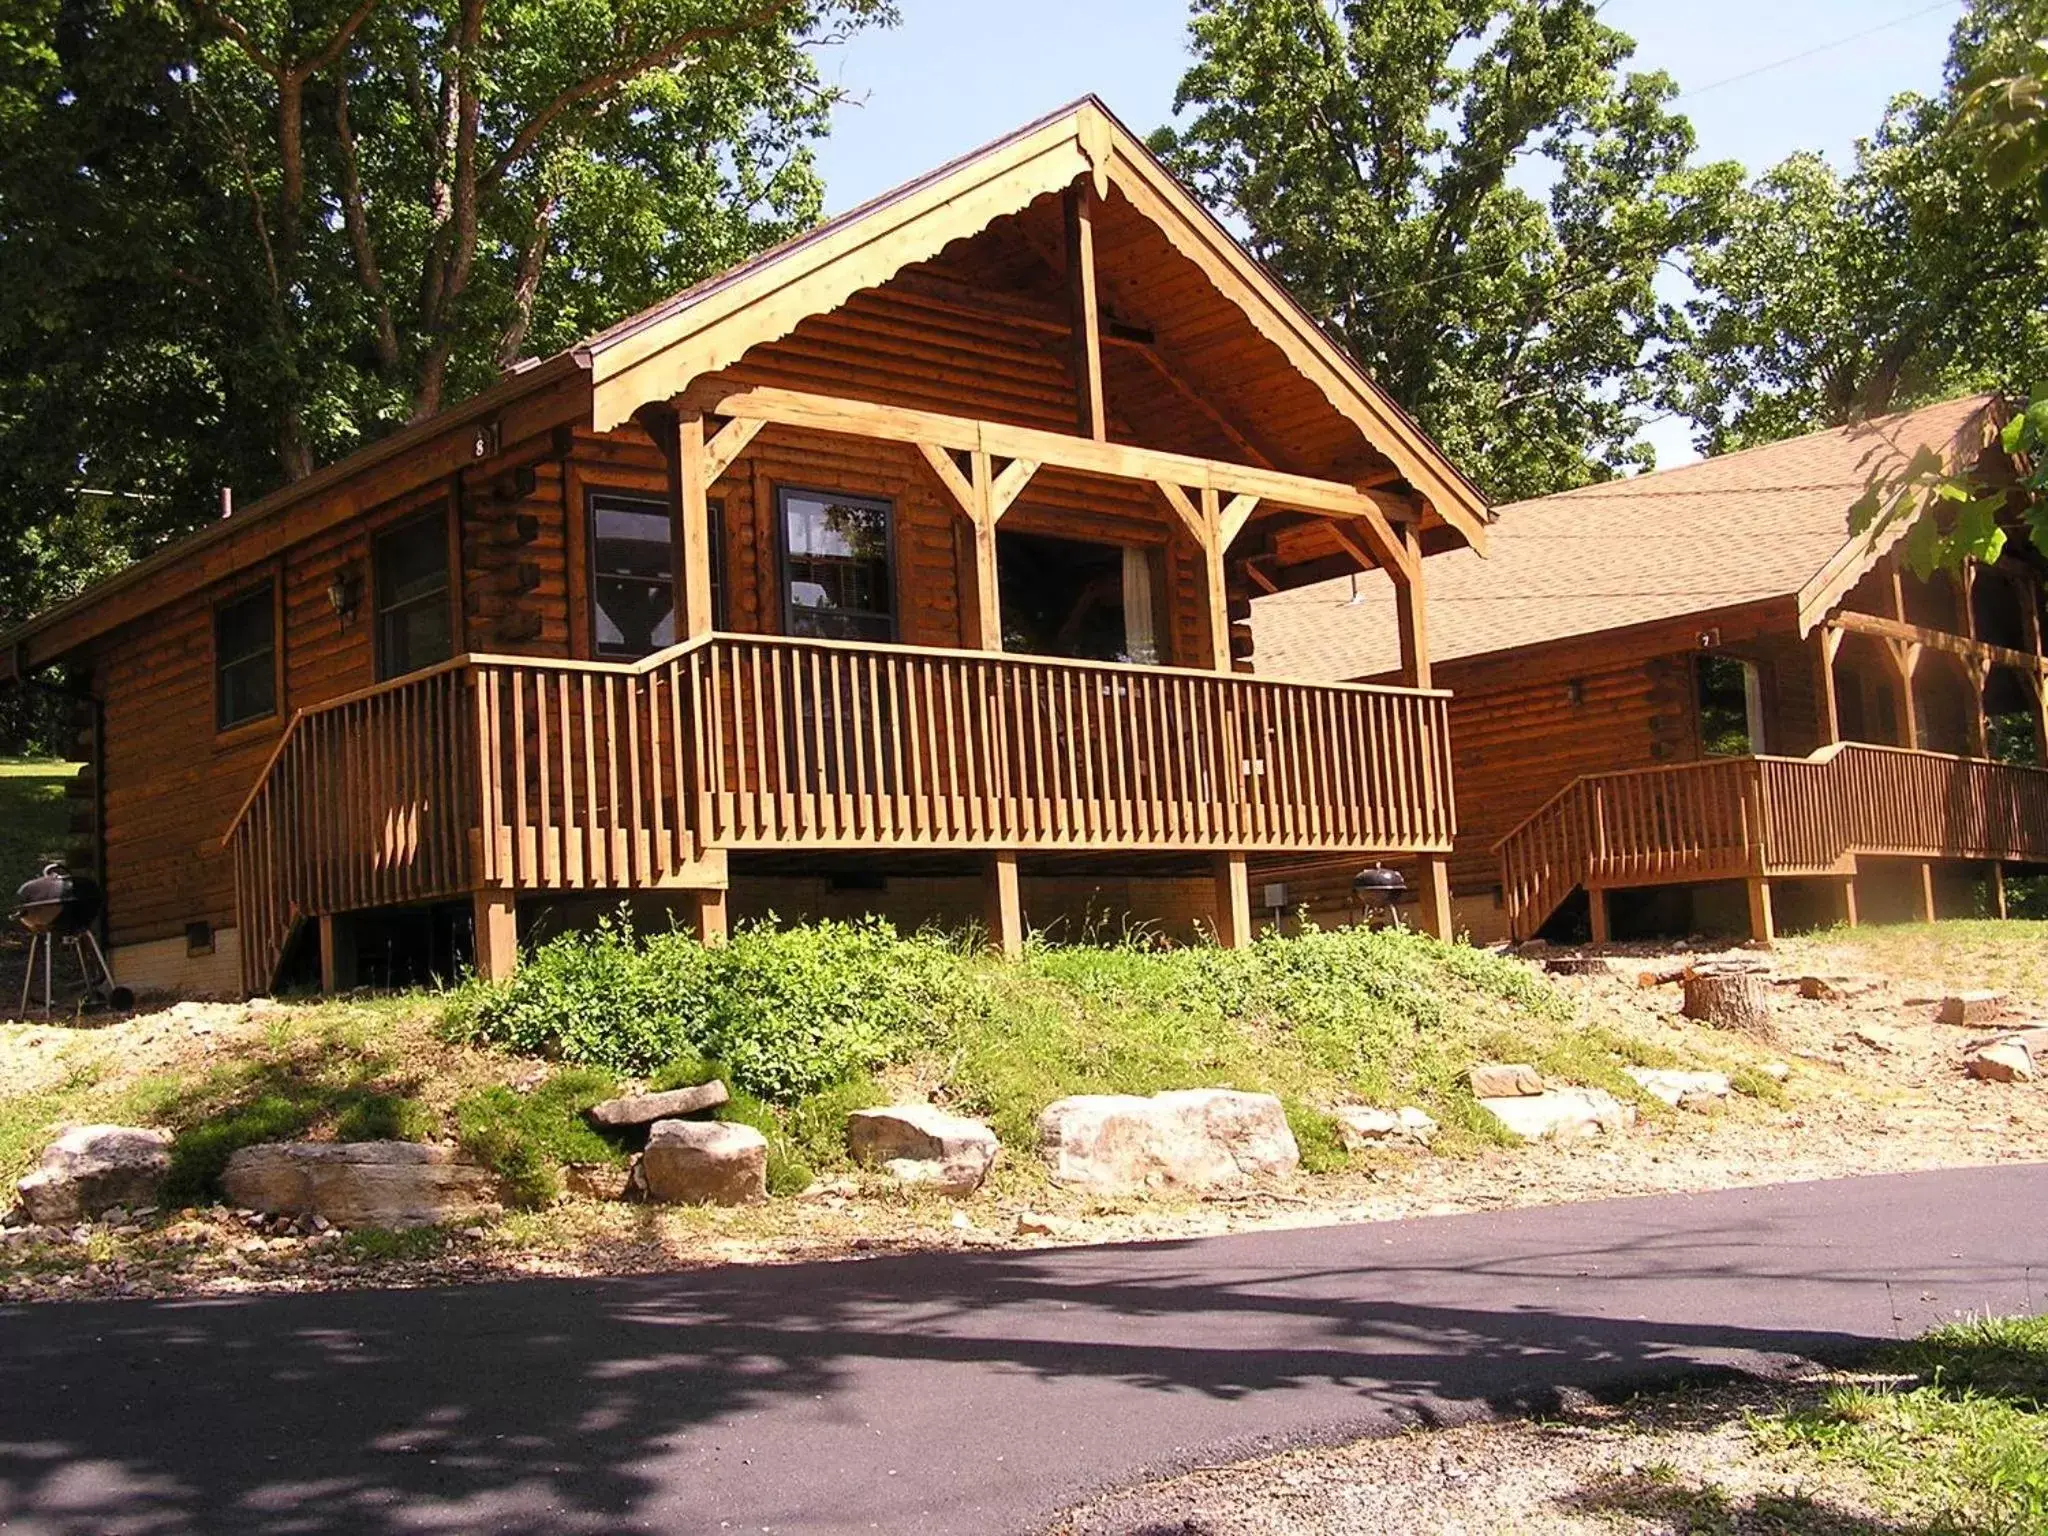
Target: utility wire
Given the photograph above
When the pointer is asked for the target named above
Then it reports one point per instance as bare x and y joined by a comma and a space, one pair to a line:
1818, 48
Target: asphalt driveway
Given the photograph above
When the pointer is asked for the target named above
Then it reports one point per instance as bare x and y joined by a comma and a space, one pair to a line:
969, 1392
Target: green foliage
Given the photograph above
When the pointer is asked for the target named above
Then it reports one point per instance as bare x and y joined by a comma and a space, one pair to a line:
33, 824
234, 249
1378, 153
526, 1137
786, 1012
1968, 1441
325, 1089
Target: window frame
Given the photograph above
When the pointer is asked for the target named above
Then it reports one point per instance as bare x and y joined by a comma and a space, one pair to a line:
786, 606
271, 587
440, 513
715, 524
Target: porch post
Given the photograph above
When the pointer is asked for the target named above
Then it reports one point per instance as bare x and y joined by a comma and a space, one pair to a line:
337, 956
1849, 900
1233, 877
1926, 884
693, 529
1762, 925
1998, 888
496, 917
1005, 905
1411, 606
1596, 908
1905, 656
1830, 644
708, 912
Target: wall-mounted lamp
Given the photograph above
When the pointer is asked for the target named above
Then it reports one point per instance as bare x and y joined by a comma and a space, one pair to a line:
1575, 692
343, 594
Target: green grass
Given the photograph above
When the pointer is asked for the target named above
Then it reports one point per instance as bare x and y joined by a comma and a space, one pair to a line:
526, 1138
1963, 1437
1968, 952
800, 1022
32, 816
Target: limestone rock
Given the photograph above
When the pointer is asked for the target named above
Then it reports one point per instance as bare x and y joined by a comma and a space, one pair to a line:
360, 1183
93, 1168
1682, 1090
646, 1108
1493, 1080
2002, 1061
597, 1181
1359, 1127
1969, 1007
1197, 1138
705, 1162
1561, 1113
922, 1144
1776, 1071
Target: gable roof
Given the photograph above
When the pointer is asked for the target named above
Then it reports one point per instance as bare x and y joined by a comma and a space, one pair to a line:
1767, 522
654, 355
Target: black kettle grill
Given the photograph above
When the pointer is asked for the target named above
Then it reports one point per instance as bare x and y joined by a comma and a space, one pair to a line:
1377, 891
58, 905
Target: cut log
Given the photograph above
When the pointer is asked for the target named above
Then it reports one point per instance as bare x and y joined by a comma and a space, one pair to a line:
1737, 1000
1662, 974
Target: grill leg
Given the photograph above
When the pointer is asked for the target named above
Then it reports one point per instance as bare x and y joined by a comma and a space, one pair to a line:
28, 975
49, 974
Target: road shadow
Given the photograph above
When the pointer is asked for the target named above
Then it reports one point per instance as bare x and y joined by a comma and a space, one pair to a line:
565, 1405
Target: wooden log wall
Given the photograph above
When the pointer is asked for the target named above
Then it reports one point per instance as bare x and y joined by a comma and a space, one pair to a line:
520, 577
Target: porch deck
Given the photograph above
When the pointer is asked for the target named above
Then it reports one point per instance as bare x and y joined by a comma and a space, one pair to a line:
1754, 818
498, 774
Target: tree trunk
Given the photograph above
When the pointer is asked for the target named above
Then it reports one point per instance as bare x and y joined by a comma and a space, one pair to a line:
1737, 1000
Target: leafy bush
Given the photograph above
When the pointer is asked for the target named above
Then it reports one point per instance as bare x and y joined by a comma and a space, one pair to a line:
787, 1011
526, 1137
788, 1173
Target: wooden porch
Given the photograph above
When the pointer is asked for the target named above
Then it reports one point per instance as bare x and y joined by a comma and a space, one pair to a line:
492, 776
1758, 818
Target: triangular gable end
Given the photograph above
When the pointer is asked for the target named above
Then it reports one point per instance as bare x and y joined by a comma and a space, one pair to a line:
656, 355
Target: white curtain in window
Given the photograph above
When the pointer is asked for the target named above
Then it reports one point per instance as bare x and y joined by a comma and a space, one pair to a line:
1141, 639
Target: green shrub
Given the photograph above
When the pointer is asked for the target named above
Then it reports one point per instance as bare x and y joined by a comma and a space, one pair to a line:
239, 1108
817, 1125
1315, 1133
786, 1011
526, 1137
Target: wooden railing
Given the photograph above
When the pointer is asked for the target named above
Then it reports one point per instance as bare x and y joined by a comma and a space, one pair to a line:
1742, 817
807, 743
367, 801
527, 774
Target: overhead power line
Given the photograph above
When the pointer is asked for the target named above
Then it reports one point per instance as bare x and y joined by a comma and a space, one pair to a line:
1817, 49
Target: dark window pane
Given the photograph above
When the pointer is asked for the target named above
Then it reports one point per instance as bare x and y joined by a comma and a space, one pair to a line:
633, 574
413, 622
836, 560
244, 659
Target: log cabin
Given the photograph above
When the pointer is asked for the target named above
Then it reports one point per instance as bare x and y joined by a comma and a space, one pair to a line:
904, 568
1695, 700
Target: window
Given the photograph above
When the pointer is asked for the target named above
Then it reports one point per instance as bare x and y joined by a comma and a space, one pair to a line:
632, 573
245, 658
411, 572
1730, 705
837, 578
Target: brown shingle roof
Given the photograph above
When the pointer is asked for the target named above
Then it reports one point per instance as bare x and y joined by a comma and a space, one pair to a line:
1756, 524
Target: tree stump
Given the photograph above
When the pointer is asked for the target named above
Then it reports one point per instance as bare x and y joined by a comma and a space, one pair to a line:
1737, 1000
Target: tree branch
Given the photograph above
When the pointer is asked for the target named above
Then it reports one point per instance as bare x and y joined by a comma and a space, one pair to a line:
610, 80
355, 216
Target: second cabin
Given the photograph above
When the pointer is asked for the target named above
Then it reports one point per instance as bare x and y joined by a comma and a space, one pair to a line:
905, 568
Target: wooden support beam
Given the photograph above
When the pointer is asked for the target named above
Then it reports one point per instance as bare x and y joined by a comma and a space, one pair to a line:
1184, 508
1233, 901
1762, 923
1235, 515
987, 590
1091, 415
1212, 568
1598, 916
495, 916
1979, 722
1435, 912
1905, 655
1849, 900
728, 445
1256, 572
1009, 485
708, 913
693, 529
1005, 911
1412, 613
2026, 663
948, 473
337, 956
1372, 511
1998, 904
1926, 890
1828, 642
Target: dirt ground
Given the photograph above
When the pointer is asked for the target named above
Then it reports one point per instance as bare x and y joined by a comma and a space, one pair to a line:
1873, 1084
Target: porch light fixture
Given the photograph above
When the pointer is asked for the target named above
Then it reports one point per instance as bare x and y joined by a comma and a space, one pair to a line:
343, 594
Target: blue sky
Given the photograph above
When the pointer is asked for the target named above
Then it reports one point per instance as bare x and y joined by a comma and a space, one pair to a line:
957, 73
